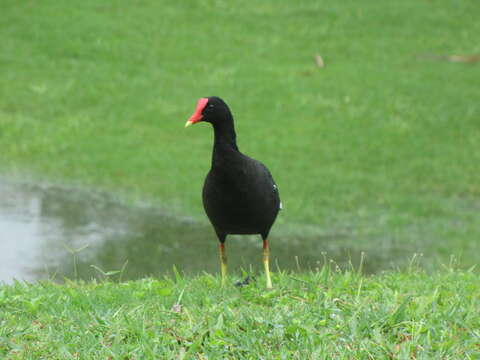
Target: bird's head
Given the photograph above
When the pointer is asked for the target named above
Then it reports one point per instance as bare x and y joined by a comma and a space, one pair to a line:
211, 109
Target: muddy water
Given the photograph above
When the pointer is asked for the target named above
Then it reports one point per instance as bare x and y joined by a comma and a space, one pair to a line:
56, 232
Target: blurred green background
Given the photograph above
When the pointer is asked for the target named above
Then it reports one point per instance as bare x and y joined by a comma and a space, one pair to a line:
381, 145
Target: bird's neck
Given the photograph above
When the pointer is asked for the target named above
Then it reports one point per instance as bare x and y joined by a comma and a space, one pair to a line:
225, 143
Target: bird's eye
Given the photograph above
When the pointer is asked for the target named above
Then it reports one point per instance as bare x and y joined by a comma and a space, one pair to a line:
210, 106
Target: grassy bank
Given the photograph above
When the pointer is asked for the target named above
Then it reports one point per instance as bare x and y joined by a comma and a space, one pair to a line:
316, 315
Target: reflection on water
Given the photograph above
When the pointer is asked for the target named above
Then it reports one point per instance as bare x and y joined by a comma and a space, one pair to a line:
40, 226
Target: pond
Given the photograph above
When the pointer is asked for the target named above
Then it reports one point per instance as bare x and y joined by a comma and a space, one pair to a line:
56, 232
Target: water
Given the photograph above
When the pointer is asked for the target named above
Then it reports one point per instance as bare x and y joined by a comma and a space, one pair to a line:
53, 232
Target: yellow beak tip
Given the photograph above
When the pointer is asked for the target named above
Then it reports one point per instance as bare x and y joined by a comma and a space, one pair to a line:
188, 123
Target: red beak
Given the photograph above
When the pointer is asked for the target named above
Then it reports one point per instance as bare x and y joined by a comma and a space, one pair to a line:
197, 115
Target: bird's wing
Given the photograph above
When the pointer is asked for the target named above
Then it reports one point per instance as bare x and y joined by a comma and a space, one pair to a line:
260, 171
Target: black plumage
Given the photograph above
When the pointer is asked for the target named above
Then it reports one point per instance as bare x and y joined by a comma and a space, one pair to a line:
239, 193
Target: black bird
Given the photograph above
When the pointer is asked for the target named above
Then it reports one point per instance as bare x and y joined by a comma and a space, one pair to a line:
239, 193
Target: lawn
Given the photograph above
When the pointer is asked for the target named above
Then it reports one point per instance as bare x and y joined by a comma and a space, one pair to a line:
317, 315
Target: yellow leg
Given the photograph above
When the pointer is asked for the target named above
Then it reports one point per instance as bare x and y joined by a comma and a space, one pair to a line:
223, 259
265, 263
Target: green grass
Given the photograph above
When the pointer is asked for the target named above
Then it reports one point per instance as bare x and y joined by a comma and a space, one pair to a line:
317, 315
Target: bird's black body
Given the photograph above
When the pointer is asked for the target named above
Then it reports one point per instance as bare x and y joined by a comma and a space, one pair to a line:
239, 194
240, 197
